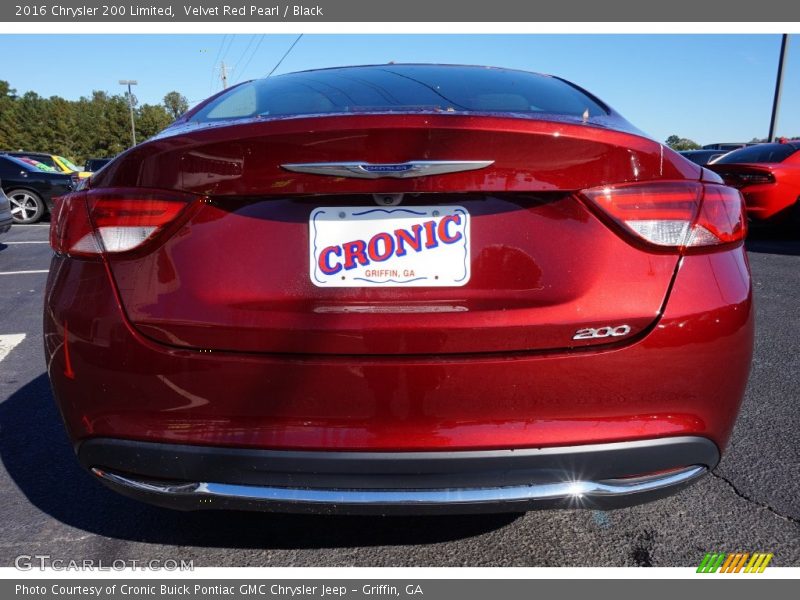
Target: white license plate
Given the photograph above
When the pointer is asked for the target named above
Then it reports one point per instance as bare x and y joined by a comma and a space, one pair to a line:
415, 246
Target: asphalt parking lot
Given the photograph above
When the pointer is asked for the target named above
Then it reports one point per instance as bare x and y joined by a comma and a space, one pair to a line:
48, 505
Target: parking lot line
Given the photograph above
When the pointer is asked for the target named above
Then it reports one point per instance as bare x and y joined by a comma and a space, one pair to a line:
9, 342
23, 272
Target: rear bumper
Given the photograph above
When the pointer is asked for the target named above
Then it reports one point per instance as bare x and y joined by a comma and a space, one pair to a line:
686, 377
770, 203
598, 476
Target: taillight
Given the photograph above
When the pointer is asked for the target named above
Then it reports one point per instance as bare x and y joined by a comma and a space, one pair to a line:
676, 214
755, 178
90, 223
741, 178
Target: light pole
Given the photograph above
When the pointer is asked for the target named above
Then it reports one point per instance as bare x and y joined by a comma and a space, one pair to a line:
129, 83
776, 101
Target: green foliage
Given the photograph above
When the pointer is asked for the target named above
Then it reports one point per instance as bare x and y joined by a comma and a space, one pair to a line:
678, 143
91, 127
176, 104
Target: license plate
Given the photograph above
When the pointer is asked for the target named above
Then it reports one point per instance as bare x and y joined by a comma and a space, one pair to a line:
415, 246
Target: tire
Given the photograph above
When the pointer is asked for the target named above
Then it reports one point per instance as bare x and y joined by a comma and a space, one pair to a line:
794, 219
26, 206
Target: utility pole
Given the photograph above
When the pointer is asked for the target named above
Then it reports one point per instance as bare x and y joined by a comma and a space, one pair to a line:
223, 74
773, 123
129, 83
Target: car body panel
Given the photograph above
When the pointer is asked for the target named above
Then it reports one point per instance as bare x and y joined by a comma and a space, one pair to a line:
767, 202
392, 403
5, 213
245, 159
211, 334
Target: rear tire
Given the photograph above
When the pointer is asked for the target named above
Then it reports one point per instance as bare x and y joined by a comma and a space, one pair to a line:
794, 220
26, 206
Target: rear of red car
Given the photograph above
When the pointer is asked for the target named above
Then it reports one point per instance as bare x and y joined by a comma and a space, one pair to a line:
399, 288
768, 175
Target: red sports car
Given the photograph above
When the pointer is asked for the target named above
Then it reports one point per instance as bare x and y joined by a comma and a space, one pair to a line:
768, 175
399, 288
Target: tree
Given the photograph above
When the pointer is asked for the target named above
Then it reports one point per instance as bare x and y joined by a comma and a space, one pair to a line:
176, 104
97, 125
678, 143
151, 119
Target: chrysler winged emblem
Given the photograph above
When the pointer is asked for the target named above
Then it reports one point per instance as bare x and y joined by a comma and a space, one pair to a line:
365, 170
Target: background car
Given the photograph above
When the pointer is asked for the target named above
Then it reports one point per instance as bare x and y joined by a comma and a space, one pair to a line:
702, 157
455, 289
59, 164
30, 190
95, 164
768, 175
5, 212
39, 165
67, 166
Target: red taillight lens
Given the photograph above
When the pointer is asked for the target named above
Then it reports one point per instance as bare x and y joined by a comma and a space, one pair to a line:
90, 223
721, 219
674, 214
740, 178
756, 178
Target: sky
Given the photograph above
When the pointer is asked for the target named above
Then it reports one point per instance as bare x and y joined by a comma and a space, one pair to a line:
710, 88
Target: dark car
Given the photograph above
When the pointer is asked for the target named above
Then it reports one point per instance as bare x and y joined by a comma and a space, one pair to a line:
30, 190
95, 164
702, 157
399, 288
45, 159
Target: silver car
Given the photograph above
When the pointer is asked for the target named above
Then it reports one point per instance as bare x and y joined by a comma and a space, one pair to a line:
5, 212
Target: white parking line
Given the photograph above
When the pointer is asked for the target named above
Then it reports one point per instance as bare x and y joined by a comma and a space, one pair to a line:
23, 272
10, 243
9, 342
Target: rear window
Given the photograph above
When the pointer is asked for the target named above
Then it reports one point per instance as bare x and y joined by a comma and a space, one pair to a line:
11, 161
45, 160
401, 88
762, 153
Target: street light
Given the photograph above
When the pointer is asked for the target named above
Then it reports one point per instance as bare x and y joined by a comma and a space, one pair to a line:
129, 83
776, 102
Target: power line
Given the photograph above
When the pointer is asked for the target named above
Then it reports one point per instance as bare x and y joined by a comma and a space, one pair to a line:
228, 49
285, 55
249, 60
246, 48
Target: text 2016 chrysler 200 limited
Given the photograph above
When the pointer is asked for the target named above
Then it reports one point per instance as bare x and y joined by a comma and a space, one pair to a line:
399, 288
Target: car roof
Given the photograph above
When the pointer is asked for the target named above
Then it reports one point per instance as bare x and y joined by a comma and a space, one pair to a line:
21, 153
415, 64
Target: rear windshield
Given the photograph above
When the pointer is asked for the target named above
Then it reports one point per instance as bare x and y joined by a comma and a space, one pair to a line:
19, 163
401, 88
762, 153
45, 160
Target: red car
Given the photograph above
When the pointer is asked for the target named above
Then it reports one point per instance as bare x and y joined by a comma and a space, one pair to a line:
399, 288
768, 175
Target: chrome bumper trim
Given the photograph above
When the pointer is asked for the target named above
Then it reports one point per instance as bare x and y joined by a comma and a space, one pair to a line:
563, 490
